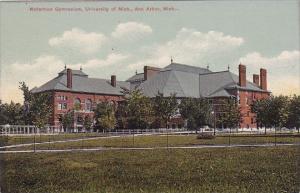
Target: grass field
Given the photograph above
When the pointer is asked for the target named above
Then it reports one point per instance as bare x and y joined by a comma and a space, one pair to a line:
268, 169
163, 141
38, 138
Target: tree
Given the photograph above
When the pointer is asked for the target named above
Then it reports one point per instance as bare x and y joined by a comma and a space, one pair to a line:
11, 113
37, 107
197, 111
104, 115
278, 111
164, 107
121, 115
261, 108
67, 120
138, 110
272, 111
88, 122
230, 115
294, 112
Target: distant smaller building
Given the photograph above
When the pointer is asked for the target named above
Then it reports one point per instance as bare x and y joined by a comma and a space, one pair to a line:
74, 88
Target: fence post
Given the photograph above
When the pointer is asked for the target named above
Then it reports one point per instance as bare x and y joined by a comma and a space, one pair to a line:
34, 140
229, 136
133, 137
167, 139
275, 138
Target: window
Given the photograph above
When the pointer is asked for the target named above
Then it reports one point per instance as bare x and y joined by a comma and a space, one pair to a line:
88, 105
77, 104
63, 98
62, 106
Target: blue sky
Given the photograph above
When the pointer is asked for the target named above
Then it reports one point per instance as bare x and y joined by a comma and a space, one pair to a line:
35, 45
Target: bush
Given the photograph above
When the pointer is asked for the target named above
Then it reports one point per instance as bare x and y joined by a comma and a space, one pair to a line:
205, 136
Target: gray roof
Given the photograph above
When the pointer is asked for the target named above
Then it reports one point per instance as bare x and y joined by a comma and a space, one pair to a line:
186, 68
191, 81
81, 83
137, 77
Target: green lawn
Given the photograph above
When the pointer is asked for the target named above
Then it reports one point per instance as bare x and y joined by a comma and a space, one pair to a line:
38, 138
263, 169
163, 141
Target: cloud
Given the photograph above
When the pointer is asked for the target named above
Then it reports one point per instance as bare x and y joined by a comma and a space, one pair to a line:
283, 70
87, 43
33, 73
131, 31
189, 46
284, 59
111, 59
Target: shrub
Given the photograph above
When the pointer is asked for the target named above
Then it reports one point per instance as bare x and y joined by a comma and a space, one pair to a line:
205, 136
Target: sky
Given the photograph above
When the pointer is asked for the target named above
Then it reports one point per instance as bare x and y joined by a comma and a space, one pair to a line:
104, 38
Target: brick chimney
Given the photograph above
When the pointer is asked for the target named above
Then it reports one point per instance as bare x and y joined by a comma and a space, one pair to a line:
263, 79
150, 71
256, 79
69, 78
242, 75
113, 80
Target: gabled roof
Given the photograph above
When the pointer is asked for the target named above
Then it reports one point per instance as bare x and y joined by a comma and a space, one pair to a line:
191, 81
186, 68
81, 83
137, 77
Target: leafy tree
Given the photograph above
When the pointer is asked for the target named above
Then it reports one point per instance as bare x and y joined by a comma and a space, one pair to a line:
279, 111
273, 111
121, 115
230, 115
28, 97
261, 108
197, 111
11, 113
87, 123
191, 123
67, 120
294, 112
138, 110
105, 116
164, 107
37, 107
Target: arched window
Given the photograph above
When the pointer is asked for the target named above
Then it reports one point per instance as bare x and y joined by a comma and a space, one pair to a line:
88, 105
77, 104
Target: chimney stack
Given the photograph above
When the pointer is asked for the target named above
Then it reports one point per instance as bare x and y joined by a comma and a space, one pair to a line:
256, 79
113, 80
150, 71
242, 75
263, 79
69, 78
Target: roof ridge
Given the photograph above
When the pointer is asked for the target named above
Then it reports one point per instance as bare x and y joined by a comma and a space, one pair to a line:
186, 65
221, 88
208, 73
232, 77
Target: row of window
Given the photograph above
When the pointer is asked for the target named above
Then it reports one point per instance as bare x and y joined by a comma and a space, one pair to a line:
77, 106
63, 98
88, 105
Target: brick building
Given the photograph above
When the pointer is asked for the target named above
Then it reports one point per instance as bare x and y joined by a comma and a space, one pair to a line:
74, 87
190, 81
